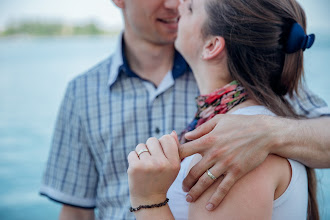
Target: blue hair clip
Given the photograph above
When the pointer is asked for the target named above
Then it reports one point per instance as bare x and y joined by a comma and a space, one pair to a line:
298, 40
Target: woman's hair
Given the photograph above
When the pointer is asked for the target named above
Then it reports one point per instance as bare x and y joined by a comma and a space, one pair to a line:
256, 32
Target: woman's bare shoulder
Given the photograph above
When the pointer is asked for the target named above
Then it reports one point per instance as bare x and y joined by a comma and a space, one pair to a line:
252, 196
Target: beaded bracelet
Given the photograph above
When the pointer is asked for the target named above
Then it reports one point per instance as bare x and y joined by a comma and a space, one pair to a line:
149, 206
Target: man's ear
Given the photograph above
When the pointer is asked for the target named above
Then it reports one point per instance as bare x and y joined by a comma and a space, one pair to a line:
119, 3
213, 47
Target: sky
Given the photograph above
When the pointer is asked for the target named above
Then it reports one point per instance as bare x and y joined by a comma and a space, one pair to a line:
108, 15
103, 12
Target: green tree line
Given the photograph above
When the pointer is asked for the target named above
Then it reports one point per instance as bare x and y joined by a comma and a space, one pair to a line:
52, 29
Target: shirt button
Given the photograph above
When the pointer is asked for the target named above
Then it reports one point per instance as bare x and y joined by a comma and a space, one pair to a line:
157, 130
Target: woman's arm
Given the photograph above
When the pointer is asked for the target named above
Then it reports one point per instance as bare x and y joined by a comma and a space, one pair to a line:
151, 174
251, 197
161, 213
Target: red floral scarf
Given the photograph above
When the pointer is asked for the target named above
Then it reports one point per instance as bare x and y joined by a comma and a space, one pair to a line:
217, 102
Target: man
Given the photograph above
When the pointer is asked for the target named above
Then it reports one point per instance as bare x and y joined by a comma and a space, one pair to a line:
144, 89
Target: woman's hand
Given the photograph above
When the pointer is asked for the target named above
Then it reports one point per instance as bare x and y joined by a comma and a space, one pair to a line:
151, 174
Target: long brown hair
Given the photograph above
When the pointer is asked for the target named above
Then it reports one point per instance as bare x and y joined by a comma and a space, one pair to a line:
255, 32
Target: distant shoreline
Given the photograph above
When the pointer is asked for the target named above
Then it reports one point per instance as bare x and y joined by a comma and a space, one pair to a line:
54, 29
26, 36
59, 37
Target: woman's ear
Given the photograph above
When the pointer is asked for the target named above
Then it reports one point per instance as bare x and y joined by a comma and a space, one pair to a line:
119, 3
213, 47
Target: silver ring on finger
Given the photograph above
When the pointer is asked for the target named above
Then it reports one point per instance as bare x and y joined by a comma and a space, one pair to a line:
142, 151
210, 175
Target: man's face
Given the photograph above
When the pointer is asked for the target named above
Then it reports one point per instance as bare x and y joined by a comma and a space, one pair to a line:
155, 21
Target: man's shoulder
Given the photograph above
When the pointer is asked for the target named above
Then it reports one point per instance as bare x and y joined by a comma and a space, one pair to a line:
90, 82
308, 104
97, 72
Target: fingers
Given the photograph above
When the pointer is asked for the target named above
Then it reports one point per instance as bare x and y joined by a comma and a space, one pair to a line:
198, 146
204, 182
154, 147
190, 148
203, 129
175, 135
165, 147
132, 157
170, 148
194, 175
221, 191
133, 161
139, 150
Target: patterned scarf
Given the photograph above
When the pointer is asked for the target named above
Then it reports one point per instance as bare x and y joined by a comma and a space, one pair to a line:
217, 102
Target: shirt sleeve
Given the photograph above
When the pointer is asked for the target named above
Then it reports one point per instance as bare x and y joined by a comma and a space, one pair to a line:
308, 104
70, 176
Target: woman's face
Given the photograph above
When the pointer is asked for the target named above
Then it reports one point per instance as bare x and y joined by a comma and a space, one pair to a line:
189, 41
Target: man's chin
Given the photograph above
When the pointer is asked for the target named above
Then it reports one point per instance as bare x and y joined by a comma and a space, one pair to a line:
169, 40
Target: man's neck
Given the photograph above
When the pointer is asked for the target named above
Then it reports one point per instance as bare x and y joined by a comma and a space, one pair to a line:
147, 60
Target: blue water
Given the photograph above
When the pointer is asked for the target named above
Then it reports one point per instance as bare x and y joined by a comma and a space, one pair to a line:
33, 77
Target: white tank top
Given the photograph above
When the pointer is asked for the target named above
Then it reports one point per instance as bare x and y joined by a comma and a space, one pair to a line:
291, 205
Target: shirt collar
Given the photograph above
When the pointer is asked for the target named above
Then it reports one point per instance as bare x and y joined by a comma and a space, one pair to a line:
120, 63
125, 67
117, 61
180, 65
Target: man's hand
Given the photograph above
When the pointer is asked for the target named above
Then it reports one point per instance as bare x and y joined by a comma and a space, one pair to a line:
231, 146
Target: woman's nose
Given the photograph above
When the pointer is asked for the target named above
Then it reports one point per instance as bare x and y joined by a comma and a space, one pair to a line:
172, 4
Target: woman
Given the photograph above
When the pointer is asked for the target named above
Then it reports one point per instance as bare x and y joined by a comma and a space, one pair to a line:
246, 55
